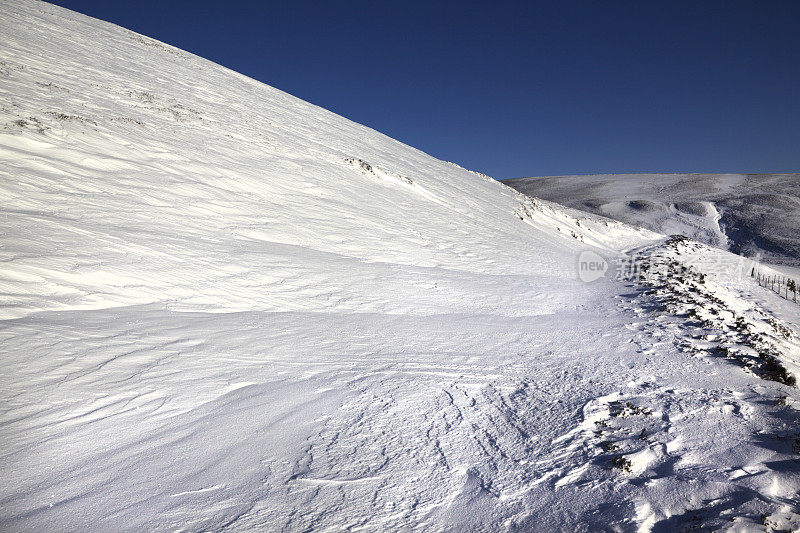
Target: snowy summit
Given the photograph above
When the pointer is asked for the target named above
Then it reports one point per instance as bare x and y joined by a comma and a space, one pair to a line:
225, 308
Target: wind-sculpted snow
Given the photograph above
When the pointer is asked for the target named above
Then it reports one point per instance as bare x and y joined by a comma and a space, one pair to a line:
143, 174
748, 214
228, 309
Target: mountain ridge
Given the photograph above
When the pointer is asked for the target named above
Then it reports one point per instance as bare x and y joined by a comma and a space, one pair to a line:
749, 214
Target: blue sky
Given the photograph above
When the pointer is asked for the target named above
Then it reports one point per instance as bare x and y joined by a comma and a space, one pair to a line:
522, 88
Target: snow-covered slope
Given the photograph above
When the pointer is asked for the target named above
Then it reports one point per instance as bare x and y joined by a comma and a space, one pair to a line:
226, 308
748, 214
144, 174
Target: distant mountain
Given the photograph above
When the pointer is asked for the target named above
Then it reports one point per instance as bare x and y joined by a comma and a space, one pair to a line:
748, 214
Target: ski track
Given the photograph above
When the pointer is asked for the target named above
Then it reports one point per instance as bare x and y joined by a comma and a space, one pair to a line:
233, 310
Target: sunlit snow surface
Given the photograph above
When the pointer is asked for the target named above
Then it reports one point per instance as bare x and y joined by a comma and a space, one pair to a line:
225, 308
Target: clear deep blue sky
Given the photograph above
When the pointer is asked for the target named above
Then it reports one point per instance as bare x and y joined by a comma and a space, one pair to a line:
521, 88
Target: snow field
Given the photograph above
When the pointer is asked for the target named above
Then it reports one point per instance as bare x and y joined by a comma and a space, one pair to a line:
228, 309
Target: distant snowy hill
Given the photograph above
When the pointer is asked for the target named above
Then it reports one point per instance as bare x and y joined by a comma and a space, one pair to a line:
224, 308
748, 214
